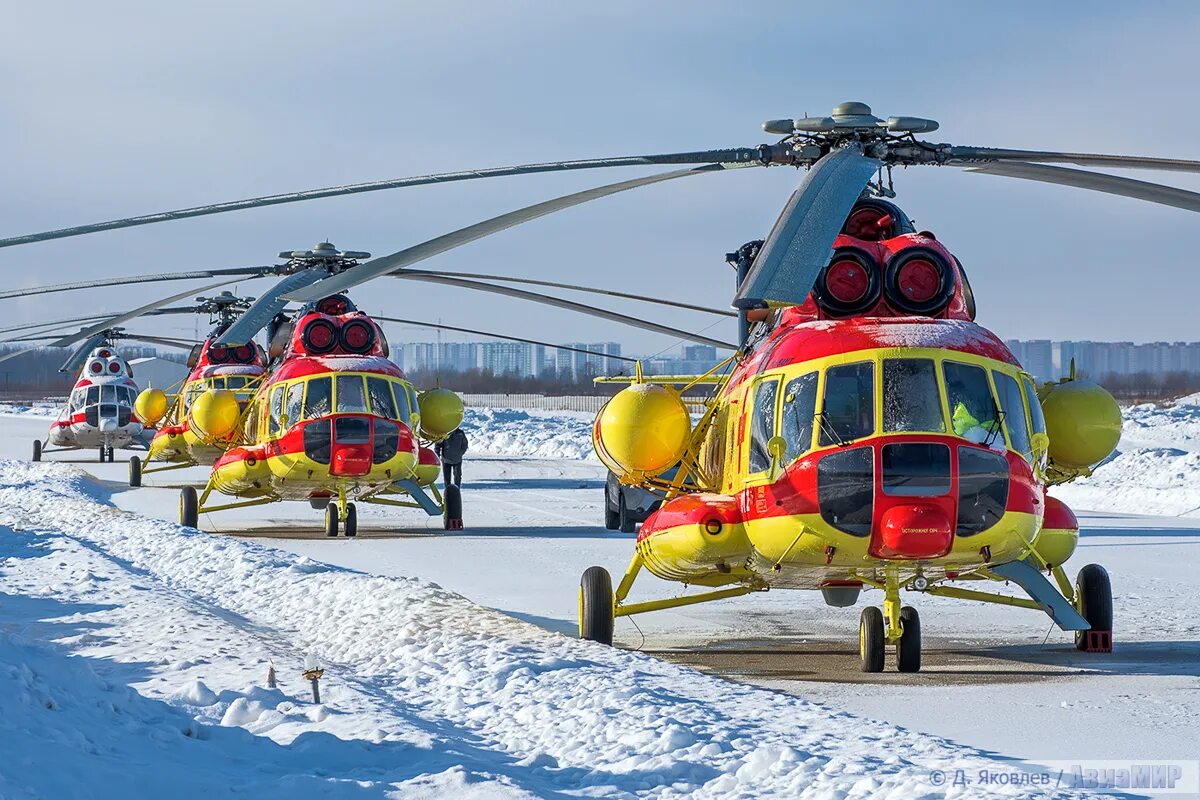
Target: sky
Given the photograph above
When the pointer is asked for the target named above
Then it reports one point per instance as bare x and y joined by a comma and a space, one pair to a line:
124, 108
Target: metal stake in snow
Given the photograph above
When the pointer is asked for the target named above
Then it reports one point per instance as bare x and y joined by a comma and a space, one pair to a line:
313, 673
271, 683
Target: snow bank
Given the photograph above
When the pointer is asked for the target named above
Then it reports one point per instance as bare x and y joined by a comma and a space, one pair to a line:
535, 434
426, 694
1156, 470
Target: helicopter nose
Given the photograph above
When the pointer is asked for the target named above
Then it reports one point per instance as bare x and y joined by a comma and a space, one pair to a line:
108, 425
915, 530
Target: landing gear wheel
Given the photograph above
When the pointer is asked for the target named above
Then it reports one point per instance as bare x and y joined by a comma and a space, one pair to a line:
612, 520
908, 649
1093, 591
189, 507
871, 639
103, 454
135, 471
624, 521
452, 516
596, 606
37, 450
350, 526
331, 519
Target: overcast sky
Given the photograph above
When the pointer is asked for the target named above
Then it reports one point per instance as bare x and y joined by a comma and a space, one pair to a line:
119, 108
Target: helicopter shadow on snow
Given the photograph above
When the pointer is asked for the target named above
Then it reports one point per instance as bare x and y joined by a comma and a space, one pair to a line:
1165, 658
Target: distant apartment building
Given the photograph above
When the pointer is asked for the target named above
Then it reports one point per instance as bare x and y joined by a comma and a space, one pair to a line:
510, 358
1047, 360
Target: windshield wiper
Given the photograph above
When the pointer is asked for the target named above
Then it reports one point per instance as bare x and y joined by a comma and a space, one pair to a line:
997, 422
827, 428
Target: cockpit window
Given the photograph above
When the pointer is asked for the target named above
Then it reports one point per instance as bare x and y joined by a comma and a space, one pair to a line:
318, 400
911, 401
762, 426
973, 412
1013, 405
849, 410
382, 403
93, 395
108, 393
1035, 406
350, 396
799, 408
294, 403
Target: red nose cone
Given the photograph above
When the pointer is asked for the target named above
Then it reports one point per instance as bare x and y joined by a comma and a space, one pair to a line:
350, 460
913, 531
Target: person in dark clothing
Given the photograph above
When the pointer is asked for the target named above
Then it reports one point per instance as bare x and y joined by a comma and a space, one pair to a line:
451, 450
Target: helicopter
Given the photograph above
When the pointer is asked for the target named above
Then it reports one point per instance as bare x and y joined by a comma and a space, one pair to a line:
99, 410
234, 369
849, 156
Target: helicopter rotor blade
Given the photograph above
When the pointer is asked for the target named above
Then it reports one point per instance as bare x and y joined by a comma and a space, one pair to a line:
269, 303
571, 286
100, 283
182, 344
411, 255
1095, 181
801, 241
79, 354
745, 156
974, 156
110, 322
570, 305
52, 324
440, 326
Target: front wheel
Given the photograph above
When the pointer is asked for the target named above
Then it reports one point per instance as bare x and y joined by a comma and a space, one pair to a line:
452, 519
1093, 591
189, 507
37, 450
871, 639
908, 649
135, 471
596, 606
350, 526
331, 519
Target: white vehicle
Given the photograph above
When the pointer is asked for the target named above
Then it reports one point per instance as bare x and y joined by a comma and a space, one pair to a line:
99, 411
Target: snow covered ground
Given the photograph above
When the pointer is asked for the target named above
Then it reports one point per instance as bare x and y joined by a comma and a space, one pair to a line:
136, 653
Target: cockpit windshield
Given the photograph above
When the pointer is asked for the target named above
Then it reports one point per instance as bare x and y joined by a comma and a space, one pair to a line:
973, 411
849, 411
911, 400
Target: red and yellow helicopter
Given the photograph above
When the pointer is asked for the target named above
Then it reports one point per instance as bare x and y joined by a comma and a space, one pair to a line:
869, 433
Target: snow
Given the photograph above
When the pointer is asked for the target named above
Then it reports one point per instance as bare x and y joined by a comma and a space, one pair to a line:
448, 672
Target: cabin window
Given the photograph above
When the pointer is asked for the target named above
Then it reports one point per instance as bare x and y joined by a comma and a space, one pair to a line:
799, 411
386, 442
382, 402
762, 425
982, 490
352, 430
973, 411
849, 410
403, 405
295, 403
1035, 407
350, 396
911, 401
846, 489
318, 400
915, 469
276, 410
1013, 404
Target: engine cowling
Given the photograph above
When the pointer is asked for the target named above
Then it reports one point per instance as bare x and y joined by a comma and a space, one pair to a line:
151, 406
441, 412
214, 414
1083, 422
642, 431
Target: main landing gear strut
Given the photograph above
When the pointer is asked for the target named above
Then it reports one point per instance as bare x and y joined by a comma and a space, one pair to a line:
895, 625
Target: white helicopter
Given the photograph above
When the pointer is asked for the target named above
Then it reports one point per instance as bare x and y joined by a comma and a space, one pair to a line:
99, 411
